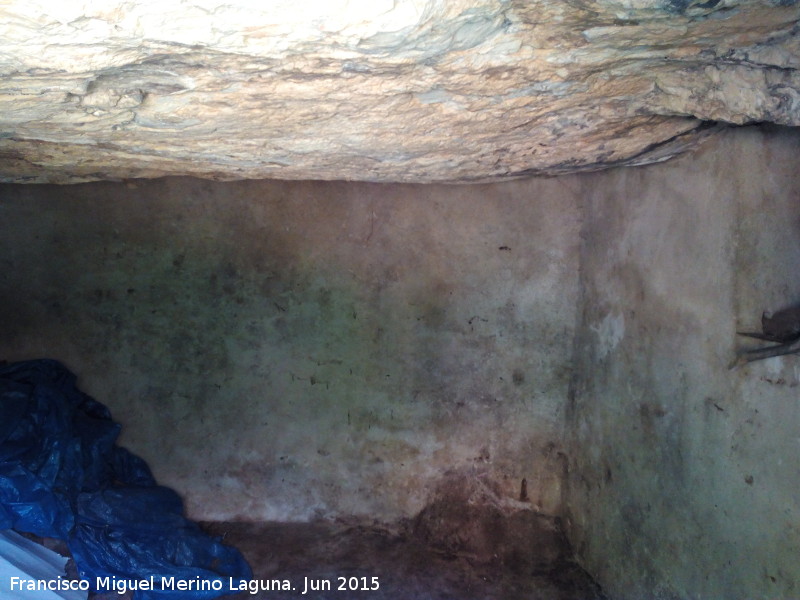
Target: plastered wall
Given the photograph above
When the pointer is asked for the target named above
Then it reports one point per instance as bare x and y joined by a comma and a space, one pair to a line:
684, 476
289, 351
295, 350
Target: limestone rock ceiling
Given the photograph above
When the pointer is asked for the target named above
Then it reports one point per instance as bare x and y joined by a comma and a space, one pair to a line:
382, 90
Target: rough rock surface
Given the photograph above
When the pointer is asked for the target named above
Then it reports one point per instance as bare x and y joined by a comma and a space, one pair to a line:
403, 90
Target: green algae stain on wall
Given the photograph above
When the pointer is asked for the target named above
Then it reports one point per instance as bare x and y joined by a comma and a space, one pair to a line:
286, 351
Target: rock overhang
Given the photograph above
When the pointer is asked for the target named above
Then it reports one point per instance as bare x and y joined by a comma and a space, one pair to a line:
409, 90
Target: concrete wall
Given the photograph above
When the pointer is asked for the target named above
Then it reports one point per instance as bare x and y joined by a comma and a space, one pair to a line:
292, 350
684, 476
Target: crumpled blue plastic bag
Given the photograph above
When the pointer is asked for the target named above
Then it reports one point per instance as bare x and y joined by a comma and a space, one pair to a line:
63, 476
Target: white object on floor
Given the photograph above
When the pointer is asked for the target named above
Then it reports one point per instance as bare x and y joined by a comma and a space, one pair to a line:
28, 561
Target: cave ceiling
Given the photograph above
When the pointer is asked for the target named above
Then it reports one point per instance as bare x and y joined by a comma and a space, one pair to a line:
382, 90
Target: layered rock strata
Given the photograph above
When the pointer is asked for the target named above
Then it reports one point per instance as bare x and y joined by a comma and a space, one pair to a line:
405, 90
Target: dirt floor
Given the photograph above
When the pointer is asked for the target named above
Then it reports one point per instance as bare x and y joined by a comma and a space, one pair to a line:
324, 560
468, 543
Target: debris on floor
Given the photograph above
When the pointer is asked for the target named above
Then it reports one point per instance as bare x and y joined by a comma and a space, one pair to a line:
341, 561
467, 544
23, 561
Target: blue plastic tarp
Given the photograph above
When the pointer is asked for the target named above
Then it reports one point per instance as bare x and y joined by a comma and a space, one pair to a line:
63, 476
